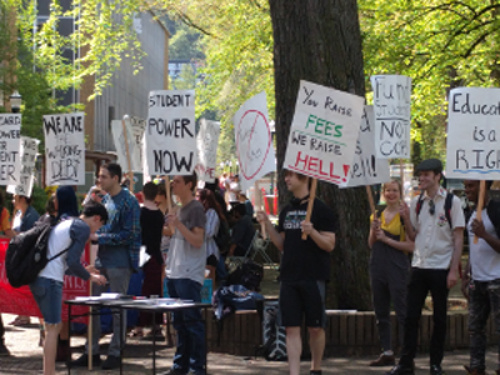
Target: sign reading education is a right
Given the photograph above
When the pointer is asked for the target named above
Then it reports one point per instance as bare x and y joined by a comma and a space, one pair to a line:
473, 142
324, 132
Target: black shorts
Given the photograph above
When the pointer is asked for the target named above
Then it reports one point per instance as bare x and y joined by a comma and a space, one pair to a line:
212, 261
299, 298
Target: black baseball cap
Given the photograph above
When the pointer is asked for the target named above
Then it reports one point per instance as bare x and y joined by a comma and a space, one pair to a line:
434, 165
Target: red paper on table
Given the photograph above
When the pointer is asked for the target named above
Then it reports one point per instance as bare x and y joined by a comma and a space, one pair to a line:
20, 301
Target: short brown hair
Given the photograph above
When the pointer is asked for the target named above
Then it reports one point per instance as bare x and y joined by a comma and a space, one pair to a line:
190, 178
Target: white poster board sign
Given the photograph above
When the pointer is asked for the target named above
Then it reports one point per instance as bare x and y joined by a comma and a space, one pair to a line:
366, 168
10, 136
170, 133
324, 132
254, 142
28, 151
207, 140
64, 149
121, 148
473, 147
391, 101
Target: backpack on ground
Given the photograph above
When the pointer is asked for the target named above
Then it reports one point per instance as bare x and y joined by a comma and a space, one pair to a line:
27, 254
273, 333
249, 274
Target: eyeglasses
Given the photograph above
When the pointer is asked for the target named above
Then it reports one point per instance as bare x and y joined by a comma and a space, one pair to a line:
432, 207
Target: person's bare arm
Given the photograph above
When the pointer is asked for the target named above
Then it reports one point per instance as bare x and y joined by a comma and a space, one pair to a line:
276, 237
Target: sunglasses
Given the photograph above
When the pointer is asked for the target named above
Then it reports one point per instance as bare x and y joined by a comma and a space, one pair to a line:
432, 208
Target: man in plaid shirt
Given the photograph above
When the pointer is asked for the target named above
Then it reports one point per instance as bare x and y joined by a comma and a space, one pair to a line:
119, 244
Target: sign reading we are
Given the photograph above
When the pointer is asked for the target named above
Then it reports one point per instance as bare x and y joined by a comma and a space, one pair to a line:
10, 135
473, 147
170, 133
323, 134
64, 149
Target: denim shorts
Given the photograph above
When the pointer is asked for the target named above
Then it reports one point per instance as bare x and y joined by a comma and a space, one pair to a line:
48, 297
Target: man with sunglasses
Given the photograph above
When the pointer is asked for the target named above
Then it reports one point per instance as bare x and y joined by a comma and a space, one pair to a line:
438, 247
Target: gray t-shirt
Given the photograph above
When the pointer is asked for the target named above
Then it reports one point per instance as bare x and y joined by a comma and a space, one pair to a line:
185, 261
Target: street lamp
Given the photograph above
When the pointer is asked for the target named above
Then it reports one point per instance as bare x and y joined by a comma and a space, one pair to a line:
15, 102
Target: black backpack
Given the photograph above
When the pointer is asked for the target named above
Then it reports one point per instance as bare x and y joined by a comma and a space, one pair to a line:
27, 254
223, 238
249, 274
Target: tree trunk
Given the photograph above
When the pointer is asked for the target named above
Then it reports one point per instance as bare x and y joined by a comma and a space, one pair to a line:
320, 41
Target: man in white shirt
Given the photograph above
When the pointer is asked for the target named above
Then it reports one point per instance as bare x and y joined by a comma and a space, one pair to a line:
482, 276
438, 234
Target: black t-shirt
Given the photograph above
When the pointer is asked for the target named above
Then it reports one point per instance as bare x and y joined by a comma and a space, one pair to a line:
304, 260
151, 230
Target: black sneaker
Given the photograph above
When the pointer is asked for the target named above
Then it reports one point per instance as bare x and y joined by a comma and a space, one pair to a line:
83, 361
437, 370
173, 371
401, 370
4, 352
111, 363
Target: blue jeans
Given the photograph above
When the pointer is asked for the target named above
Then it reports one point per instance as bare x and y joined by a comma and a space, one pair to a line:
190, 352
48, 297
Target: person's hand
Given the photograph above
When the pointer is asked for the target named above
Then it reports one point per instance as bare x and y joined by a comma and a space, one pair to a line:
261, 217
380, 235
465, 287
477, 228
404, 211
98, 279
376, 224
452, 278
93, 270
307, 227
93, 237
173, 220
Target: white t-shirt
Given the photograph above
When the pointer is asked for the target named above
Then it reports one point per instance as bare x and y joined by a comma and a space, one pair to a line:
484, 261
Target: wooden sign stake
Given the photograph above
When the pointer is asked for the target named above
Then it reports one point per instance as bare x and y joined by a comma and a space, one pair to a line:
312, 196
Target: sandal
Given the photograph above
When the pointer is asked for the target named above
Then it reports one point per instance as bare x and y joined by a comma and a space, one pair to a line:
136, 333
21, 321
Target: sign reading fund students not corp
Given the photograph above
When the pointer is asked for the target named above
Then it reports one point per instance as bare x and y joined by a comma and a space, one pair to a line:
170, 133
473, 142
324, 132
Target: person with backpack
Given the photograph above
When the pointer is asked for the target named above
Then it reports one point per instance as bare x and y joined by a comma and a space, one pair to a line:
438, 234
305, 269
481, 281
389, 269
67, 241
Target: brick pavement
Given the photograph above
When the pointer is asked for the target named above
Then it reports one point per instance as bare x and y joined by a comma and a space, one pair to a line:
26, 359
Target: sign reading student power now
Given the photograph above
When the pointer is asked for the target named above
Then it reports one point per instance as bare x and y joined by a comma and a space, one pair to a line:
473, 143
323, 134
170, 133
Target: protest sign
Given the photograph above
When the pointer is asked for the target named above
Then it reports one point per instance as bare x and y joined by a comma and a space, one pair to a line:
138, 126
10, 135
121, 148
324, 132
366, 168
254, 143
170, 133
64, 149
391, 101
207, 140
473, 150
28, 151
20, 301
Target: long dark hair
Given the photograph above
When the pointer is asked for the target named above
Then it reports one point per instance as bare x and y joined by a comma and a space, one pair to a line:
66, 202
207, 199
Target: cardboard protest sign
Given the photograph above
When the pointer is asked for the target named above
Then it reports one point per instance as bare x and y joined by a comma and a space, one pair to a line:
64, 149
138, 125
10, 135
254, 143
324, 132
28, 151
366, 168
170, 133
121, 149
391, 101
473, 148
207, 140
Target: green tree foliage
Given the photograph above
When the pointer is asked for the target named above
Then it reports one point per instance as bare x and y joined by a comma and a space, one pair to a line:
185, 44
438, 43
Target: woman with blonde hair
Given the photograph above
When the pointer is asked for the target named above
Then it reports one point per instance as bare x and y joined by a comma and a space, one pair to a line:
389, 268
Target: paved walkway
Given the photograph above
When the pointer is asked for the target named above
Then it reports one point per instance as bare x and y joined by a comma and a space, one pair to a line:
26, 359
